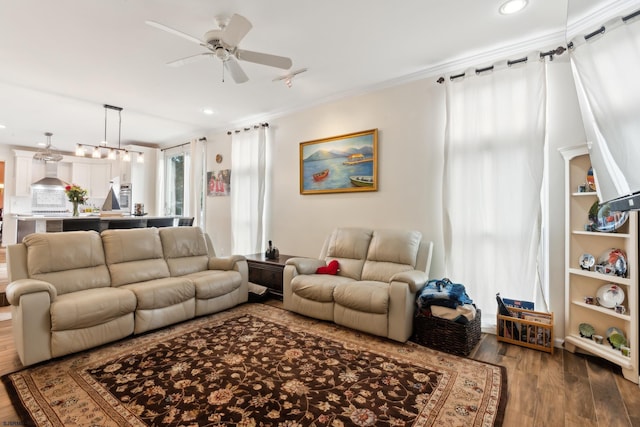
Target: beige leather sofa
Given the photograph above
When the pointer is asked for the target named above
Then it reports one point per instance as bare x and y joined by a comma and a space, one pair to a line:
76, 290
380, 272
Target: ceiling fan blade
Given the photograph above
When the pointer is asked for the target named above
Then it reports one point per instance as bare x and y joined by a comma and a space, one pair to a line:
235, 70
176, 33
236, 29
189, 59
264, 59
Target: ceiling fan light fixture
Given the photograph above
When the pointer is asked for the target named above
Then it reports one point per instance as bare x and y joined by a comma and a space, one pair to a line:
222, 54
512, 6
223, 44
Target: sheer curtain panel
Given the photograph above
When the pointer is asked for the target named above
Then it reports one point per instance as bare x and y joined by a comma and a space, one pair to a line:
494, 161
606, 70
248, 167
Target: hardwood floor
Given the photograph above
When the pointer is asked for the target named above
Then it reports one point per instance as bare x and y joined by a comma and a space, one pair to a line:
561, 390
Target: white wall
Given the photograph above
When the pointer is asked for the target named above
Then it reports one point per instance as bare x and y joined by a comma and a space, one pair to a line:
410, 119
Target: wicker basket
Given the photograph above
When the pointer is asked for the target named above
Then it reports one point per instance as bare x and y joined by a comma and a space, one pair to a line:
447, 335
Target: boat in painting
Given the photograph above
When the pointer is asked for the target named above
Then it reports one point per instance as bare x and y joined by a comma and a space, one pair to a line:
319, 176
362, 180
357, 158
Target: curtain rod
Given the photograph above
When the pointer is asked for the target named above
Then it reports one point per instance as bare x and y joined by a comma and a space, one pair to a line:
264, 125
602, 28
557, 51
203, 139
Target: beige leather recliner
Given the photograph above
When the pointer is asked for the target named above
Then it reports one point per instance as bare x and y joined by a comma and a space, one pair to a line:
380, 273
75, 290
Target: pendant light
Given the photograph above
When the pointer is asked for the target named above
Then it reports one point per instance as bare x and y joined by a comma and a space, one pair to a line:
112, 152
47, 154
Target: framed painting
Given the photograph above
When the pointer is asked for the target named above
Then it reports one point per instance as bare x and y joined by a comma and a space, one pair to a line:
219, 182
340, 164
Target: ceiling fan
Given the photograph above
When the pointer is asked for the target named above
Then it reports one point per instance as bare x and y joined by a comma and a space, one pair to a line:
223, 44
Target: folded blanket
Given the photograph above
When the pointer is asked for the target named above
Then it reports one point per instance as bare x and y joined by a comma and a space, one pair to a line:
443, 293
462, 314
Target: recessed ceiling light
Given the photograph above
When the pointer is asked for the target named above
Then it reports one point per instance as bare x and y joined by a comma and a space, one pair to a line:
2, 126
207, 111
512, 6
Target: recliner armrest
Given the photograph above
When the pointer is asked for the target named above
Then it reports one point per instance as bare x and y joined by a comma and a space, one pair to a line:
225, 263
416, 279
21, 287
306, 265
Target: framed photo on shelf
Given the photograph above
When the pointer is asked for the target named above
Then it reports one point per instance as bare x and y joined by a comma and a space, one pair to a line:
340, 164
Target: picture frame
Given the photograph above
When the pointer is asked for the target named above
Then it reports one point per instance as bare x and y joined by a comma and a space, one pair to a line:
219, 182
340, 164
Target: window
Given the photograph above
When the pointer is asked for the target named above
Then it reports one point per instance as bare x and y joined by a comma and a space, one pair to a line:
177, 165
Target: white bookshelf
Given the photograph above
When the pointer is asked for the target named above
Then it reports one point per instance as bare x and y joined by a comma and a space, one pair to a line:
580, 283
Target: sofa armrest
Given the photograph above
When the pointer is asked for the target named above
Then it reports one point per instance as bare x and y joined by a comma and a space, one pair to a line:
225, 263
18, 288
416, 279
306, 265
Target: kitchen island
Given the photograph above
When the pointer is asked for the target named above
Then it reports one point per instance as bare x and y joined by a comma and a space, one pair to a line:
27, 224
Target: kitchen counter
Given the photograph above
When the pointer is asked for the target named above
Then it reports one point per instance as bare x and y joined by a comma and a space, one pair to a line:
27, 223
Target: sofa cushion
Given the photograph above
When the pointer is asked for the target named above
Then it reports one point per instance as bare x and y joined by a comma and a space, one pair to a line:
71, 261
349, 246
365, 296
317, 287
214, 283
162, 293
91, 307
391, 252
185, 249
134, 255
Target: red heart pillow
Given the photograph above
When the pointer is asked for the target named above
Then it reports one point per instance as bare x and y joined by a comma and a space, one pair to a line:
331, 268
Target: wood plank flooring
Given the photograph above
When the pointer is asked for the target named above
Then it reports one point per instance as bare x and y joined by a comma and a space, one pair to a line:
562, 389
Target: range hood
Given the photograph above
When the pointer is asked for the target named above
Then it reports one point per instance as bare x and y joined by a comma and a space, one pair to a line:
50, 177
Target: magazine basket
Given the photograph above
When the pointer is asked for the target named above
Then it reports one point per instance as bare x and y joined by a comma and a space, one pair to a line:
527, 328
447, 335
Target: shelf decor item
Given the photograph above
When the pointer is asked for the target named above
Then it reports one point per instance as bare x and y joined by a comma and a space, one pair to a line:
610, 295
586, 330
613, 262
587, 261
604, 219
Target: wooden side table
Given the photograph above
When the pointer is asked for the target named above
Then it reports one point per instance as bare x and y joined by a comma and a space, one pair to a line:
267, 272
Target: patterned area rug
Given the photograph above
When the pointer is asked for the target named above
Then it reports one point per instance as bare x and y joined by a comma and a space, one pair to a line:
258, 365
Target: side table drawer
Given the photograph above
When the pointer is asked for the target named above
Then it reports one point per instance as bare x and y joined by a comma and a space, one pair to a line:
269, 277
266, 275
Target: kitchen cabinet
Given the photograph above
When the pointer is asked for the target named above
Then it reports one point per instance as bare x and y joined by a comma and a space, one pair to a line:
94, 177
583, 280
23, 175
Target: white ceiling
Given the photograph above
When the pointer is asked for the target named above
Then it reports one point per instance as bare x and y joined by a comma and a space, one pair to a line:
61, 60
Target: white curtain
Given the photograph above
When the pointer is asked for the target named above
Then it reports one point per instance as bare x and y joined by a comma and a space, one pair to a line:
197, 178
248, 166
607, 75
493, 172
